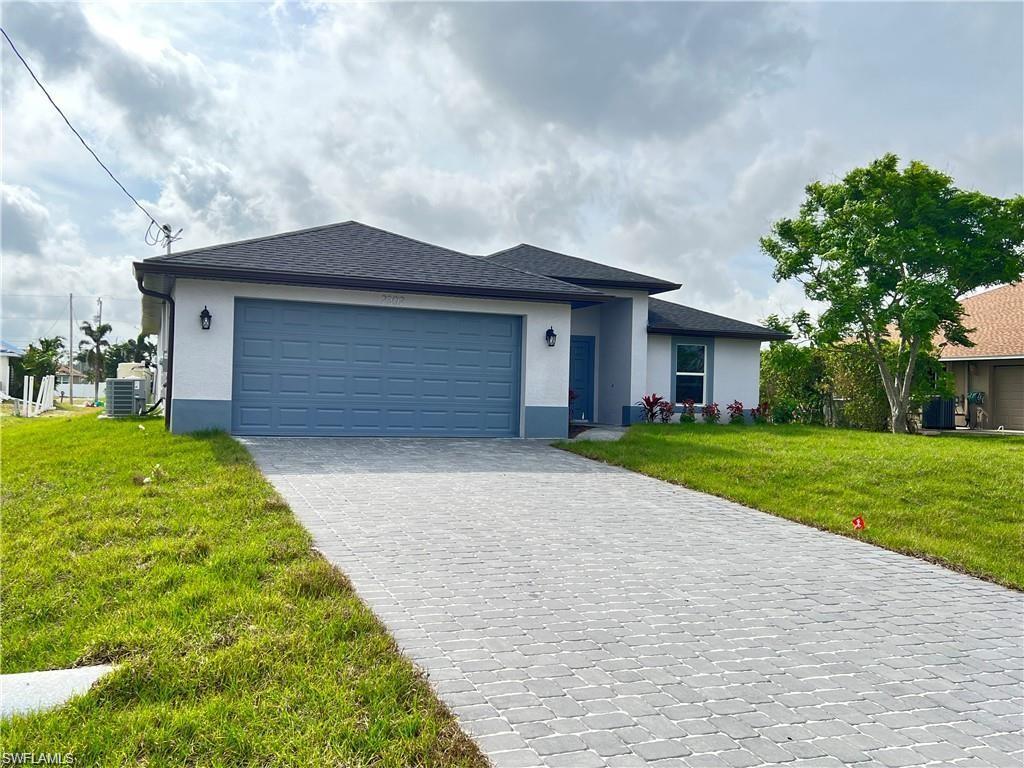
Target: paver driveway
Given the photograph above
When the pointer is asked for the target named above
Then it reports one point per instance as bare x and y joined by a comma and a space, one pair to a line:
574, 614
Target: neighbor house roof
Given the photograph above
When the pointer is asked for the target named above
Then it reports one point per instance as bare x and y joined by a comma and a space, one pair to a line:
561, 266
354, 255
666, 317
9, 350
997, 317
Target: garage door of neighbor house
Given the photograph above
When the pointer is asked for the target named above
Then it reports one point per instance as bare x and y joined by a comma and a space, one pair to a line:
1008, 396
332, 369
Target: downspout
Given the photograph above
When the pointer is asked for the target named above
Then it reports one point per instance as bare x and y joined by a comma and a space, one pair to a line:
168, 386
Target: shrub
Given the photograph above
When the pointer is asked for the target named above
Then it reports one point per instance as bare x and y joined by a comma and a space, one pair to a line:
665, 411
688, 414
735, 409
712, 414
759, 413
650, 406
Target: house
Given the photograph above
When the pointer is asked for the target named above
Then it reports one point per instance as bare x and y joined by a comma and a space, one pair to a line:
7, 352
994, 367
76, 376
347, 329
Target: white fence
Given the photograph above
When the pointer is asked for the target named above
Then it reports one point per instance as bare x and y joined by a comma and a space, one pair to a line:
33, 403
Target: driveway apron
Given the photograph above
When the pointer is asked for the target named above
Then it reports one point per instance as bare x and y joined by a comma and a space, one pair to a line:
576, 614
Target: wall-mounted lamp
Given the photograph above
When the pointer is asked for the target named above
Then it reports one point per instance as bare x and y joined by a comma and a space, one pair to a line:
550, 336
205, 318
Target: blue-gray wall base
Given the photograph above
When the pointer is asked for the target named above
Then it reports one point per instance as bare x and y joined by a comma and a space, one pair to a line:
546, 421
194, 415
632, 414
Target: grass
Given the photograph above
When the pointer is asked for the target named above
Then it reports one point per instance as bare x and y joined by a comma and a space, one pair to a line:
235, 643
955, 501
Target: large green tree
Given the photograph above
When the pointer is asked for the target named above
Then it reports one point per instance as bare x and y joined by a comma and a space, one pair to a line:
891, 252
93, 349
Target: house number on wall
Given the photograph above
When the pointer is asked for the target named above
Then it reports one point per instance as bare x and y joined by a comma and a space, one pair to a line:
392, 298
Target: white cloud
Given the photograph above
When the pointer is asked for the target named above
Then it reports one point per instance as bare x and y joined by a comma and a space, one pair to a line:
662, 137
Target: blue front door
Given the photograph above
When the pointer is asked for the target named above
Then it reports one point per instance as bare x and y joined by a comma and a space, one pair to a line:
581, 376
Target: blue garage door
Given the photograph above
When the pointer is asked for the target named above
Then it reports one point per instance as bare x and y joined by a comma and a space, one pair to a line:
330, 369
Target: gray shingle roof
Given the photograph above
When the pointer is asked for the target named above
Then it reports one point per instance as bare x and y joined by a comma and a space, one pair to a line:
354, 255
666, 317
575, 270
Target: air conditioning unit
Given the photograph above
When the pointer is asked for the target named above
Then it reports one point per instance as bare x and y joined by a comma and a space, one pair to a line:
125, 397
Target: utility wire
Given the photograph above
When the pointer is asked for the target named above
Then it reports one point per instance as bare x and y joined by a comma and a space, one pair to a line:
42, 87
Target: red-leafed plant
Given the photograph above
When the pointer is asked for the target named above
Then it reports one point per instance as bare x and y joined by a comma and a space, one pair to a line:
759, 413
689, 412
665, 411
712, 413
650, 406
735, 409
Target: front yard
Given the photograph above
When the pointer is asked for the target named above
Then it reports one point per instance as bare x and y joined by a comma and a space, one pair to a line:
236, 644
955, 500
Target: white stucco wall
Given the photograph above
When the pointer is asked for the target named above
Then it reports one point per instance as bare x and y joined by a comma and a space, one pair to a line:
660, 374
614, 360
203, 359
5, 373
737, 371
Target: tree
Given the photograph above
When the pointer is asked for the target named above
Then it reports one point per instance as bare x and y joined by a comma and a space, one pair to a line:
42, 358
93, 349
137, 350
891, 252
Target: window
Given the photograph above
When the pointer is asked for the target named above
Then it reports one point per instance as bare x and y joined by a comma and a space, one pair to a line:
690, 360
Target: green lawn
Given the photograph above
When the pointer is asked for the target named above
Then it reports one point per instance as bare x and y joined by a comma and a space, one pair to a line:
955, 500
236, 644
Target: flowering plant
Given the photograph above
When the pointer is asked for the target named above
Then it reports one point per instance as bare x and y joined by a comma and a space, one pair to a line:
735, 409
712, 414
650, 406
759, 413
688, 414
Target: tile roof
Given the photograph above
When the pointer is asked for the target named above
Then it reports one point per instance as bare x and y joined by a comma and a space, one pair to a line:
571, 269
355, 255
667, 317
997, 317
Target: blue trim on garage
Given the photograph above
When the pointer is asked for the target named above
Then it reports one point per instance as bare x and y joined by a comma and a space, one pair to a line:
194, 415
546, 421
632, 414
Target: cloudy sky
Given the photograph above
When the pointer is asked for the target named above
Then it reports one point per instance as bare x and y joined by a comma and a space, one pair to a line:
658, 137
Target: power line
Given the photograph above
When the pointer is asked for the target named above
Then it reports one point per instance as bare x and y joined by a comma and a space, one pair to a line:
165, 230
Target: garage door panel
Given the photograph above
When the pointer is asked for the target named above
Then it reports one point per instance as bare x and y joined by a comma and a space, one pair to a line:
1008, 396
343, 370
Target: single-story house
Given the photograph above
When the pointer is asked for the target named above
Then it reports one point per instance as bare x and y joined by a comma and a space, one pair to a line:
347, 329
993, 369
8, 352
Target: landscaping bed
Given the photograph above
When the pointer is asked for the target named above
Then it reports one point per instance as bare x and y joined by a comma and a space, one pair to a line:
958, 502
236, 644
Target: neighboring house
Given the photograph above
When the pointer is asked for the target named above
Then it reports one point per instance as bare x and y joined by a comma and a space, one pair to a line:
7, 353
350, 330
994, 366
63, 376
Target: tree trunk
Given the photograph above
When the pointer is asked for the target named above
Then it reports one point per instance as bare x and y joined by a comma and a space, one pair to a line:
899, 418
96, 381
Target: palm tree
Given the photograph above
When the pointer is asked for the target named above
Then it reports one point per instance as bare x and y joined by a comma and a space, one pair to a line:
93, 350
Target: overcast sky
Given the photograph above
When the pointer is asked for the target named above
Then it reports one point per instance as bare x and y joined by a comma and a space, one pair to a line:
663, 138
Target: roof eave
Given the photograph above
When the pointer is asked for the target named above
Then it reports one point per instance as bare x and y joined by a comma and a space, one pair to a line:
357, 283
752, 335
651, 287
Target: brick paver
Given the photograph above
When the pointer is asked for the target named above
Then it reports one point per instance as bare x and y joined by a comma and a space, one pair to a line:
575, 614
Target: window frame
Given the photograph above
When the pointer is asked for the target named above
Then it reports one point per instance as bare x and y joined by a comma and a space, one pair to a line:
677, 373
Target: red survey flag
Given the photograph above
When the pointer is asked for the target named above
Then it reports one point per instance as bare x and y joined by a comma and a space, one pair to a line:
858, 523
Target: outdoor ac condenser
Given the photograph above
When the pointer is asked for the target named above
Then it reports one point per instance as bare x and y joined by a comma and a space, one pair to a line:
125, 397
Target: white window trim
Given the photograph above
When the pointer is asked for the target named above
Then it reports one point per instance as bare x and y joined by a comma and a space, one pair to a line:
703, 375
